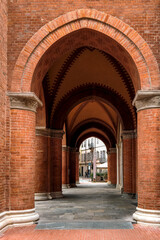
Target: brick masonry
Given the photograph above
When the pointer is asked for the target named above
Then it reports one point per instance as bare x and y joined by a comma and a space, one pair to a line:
72, 164
3, 102
129, 164
22, 164
148, 159
55, 164
41, 165
112, 167
30, 17
65, 165
24, 19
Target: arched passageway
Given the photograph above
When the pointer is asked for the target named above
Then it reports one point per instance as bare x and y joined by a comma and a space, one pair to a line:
89, 73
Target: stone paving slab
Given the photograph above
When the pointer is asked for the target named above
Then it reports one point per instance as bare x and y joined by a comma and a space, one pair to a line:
86, 225
90, 202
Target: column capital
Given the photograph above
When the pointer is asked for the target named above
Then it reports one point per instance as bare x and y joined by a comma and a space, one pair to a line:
129, 134
73, 149
24, 100
54, 133
65, 148
147, 99
112, 150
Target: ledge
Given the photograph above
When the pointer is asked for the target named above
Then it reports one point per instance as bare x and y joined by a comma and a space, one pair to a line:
146, 99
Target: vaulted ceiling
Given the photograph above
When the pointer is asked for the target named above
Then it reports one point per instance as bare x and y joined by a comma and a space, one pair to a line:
87, 85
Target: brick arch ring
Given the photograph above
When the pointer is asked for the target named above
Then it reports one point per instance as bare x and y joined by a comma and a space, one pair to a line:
135, 49
93, 134
89, 124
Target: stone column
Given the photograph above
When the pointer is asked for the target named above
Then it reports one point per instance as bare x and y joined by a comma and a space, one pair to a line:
148, 134
65, 167
23, 153
72, 164
77, 167
129, 161
56, 163
42, 173
112, 166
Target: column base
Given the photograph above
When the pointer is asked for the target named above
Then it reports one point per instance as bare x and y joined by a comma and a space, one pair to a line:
17, 218
129, 195
42, 196
65, 186
118, 186
73, 185
56, 195
145, 216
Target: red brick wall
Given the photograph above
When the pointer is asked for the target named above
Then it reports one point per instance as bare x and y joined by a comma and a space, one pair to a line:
56, 165
72, 164
112, 168
3, 87
129, 165
149, 159
41, 166
25, 18
65, 165
23, 154
77, 167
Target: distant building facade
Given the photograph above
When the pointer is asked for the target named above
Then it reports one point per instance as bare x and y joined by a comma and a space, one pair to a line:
90, 148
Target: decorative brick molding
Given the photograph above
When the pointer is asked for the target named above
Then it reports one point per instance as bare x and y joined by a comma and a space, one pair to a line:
25, 101
130, 134
145, 216
135, 49
49, 132
85, 92
17, 218
147, 99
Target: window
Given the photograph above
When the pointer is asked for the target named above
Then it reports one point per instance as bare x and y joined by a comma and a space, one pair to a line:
97, 154
92, 142
89, 143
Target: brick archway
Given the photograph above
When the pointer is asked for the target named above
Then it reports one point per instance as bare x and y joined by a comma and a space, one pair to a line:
91, 123
93, 134
142, 65
86, 92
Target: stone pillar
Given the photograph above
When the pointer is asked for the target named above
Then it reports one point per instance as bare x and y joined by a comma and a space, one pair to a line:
72, 164
112, 166
129, 161
42, 191
65, 167
23, 153
148, 134
77, 167
56, 163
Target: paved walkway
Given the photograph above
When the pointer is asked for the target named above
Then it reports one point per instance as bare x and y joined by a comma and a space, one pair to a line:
90, 202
